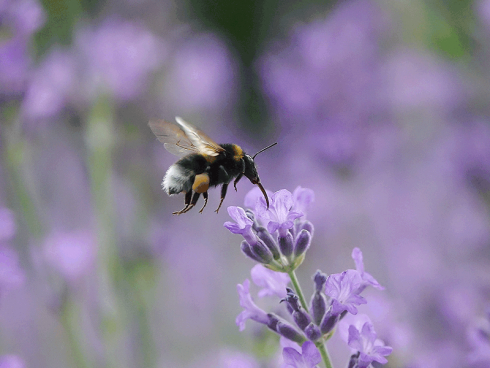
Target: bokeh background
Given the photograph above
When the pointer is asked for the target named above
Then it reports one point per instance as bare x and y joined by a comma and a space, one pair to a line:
379, 106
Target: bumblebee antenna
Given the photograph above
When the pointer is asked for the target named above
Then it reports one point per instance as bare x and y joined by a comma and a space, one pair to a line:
263, 149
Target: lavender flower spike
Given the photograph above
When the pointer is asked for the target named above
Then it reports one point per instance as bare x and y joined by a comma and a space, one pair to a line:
251, 310
309, 357
280, 215
243, 225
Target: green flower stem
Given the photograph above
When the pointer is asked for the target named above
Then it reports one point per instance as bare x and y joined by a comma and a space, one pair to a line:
324, 353
100, 141
69, 317
297, 288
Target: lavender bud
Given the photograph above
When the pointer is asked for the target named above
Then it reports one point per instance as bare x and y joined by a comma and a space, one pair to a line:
273, 321
269, 241
245, 247
251, 216
312, 332
262, 252
301, 318
320, 279
286, 244
303, 242
353, 360
318, 306
308, 226
289, 332
329, 321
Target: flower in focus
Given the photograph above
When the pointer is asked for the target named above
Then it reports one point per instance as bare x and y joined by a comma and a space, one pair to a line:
271, 282
251, 310
280, 215
343, 288
72, 254
362, 339
280, 252
308, 358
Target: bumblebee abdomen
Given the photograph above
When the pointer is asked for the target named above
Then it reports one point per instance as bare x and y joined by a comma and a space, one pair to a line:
180, 176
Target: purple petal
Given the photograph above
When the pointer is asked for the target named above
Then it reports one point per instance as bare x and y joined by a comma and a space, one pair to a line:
311, 355
357, 257
253, 196
233, 227
251, 310
354, 339
238, 214
292, 358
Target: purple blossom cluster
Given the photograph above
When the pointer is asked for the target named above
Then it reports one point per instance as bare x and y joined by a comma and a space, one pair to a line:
278, 238
274, 236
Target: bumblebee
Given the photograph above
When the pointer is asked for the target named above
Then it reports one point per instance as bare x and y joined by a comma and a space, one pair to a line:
204, 163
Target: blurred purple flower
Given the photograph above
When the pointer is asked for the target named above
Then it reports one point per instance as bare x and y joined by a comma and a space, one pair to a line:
8, 227
243, 225
19, 20
11, 361
271, 282
251, 310
309, 357
202, 75
50, 86
22, 16
366, 277
362, 338
344, 288
415, 80
328, 77
72, 254
117, 58
11, 275
280, 215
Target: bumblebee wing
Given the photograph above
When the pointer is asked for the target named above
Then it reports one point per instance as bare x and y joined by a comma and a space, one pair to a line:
173, 138
204, 144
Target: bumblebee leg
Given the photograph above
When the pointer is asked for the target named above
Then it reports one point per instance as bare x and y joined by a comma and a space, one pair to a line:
188, 197
242, 161
237, 180
205, 195
223, 195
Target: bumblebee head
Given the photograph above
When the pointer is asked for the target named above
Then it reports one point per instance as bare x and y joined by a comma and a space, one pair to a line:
252, 174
